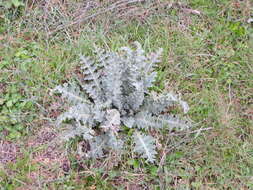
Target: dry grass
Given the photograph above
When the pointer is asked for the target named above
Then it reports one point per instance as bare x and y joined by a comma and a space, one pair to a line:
9, 152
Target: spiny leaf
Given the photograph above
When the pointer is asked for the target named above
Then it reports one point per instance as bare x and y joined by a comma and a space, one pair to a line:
144, 145
76, 129
72, 93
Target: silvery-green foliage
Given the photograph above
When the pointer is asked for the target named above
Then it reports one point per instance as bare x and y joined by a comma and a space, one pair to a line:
112, 122
145, 146
72, 93
158, 103
112, 83
92, 79
76, 129
114, 92
104, 142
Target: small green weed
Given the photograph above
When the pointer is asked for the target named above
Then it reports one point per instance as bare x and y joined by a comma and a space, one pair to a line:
11, 3
13, 108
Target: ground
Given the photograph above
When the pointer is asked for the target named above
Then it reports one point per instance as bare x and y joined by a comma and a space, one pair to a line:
207, 58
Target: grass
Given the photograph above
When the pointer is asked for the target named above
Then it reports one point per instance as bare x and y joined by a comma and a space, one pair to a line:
207, 58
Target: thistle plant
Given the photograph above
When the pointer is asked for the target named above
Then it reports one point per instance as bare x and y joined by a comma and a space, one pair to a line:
114, 94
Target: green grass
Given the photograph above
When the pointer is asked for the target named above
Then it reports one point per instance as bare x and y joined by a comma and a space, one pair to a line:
206, 58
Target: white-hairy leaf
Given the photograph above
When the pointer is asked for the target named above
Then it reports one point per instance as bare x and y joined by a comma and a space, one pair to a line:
145, 146
112, 120
76, 129
80, 112
72, 93
104, 142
